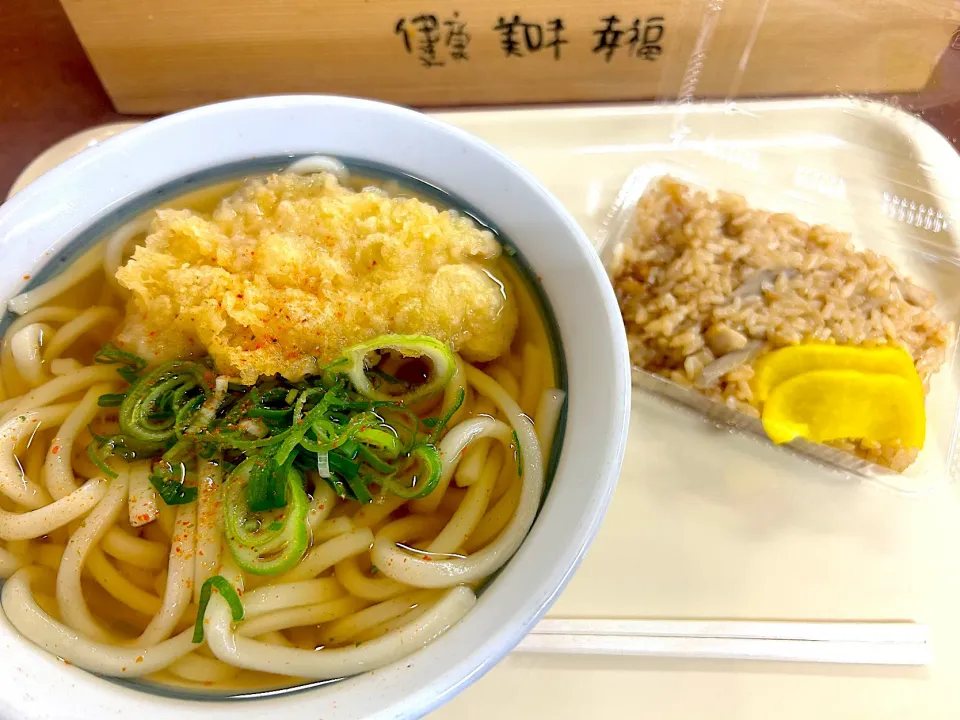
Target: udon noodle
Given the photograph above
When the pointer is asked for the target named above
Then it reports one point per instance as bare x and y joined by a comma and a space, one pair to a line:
161, 518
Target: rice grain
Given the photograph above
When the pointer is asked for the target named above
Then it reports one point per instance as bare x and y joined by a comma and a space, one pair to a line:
696, 267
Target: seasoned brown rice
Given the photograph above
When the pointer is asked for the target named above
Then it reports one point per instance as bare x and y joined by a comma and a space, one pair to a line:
707, 286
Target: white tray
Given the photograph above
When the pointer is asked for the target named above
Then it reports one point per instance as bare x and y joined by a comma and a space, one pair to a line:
706, 524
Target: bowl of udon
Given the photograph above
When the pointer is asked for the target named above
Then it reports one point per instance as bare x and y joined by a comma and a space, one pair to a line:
310, 405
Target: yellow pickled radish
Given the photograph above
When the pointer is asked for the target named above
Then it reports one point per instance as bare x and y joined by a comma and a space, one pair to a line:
780, 365
824, 405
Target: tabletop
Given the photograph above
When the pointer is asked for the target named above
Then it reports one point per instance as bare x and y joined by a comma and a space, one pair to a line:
49, 91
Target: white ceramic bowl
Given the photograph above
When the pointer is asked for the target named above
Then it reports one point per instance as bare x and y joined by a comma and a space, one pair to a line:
39, 222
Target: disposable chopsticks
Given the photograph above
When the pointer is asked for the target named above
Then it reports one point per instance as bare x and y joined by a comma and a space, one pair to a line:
869, 643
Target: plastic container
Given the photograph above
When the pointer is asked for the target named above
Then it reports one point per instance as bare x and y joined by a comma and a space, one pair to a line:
918, 237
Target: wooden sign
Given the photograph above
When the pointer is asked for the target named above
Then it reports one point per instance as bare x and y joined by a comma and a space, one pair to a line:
161, 55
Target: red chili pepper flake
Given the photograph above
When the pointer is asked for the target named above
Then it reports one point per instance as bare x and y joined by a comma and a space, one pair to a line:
26, 277
139, 658
55, 449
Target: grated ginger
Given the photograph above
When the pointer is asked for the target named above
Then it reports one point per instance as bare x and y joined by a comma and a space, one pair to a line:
290, 269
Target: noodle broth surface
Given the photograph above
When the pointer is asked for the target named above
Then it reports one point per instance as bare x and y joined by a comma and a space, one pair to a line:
124, 583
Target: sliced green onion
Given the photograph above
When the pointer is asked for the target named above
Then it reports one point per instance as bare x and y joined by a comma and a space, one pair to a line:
519, 454
383, 438
342, 465
353, 364
302, 424
102, 447
270, 413
440, 423
97, 453
179, 450
226, 592
431, 469
404, 422
168, 480
128, 374
110, 354
349, 449
371, 459
183, 419
359, 489
175, 414
130, 365
110, 400
332, 436
270, 549
148, 395
302, 399
338, 487
266, 483
323, 465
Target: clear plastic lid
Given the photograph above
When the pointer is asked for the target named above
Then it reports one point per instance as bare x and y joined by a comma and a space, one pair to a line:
790, 291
